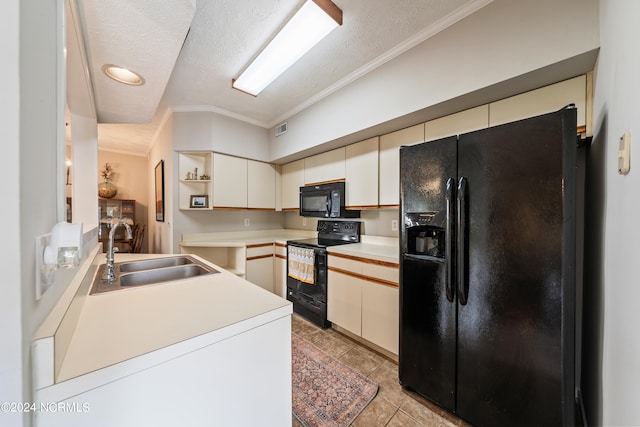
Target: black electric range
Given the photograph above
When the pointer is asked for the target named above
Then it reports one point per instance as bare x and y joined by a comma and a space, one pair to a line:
307, 268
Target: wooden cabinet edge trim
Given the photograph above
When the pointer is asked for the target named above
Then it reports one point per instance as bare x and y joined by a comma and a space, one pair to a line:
239, 208
280, 256
366, 260
361, 207
290, 209
259, 245
251, 258
363, 277
389, 206
325, 182
281, 245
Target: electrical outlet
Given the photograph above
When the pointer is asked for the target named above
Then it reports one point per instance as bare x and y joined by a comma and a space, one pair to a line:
247, 222
304, 221
394, 225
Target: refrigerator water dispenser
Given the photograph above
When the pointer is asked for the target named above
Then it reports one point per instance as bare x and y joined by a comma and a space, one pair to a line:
425, 240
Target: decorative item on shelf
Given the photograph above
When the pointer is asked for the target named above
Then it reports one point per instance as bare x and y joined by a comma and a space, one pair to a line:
204, 177
199, 201
107, 189
195, 173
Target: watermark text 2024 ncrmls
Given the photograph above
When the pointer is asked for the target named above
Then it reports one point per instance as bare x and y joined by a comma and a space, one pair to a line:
75, 407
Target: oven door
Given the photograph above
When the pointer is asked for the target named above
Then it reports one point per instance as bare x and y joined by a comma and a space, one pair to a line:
307, 282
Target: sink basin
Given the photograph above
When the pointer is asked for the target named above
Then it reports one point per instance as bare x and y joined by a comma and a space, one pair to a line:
149, 271
158, 275
151, 264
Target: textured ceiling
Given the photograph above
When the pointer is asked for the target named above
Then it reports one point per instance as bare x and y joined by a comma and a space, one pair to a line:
223, 36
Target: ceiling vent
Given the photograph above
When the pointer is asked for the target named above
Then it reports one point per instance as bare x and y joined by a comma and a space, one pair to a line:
280, 129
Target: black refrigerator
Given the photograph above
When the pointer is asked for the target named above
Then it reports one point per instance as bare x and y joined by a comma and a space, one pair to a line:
488, 272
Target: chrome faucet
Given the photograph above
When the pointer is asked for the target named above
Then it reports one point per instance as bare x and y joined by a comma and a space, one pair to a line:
110, 269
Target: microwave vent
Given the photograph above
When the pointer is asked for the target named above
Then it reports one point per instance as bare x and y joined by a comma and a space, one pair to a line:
280, 129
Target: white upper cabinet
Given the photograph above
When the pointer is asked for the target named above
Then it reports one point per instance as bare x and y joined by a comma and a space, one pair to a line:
292, 179
458, 123
540, 101
327, 166
389, 174
261, 186
361, 168
229, 181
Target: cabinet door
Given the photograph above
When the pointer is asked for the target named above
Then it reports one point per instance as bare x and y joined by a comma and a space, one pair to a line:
390, 161
458, 123
540, 101
260, 272
280, 276
229, 181
380, 317
361, 170
328, 166
292, 180
344, 301
259, 267
261, 185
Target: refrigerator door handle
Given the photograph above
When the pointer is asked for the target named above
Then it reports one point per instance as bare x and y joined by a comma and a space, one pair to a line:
461, 230
448, 235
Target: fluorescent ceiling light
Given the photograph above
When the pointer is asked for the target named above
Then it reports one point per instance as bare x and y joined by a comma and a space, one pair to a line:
314, 20
123, 75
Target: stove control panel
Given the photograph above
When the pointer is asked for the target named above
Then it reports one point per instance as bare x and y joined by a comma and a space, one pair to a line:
339, 230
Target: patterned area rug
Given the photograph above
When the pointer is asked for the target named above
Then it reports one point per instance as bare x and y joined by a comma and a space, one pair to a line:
326, 392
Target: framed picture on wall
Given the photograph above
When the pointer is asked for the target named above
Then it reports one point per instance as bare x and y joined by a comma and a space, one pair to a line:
199, 201
160, 191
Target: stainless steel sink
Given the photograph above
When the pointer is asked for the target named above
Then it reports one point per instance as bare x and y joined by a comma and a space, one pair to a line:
162, 275
150, 264
149, 271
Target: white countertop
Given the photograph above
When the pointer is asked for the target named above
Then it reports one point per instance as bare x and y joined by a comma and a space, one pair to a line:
373, 247
244, 238
120, 326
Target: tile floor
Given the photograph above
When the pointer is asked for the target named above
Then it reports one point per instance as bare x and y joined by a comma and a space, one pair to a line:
393, 406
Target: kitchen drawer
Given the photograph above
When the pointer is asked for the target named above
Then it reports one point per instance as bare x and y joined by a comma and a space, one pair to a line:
261, 250
280, 250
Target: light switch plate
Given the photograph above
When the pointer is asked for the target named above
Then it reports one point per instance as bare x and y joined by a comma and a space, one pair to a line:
624, 154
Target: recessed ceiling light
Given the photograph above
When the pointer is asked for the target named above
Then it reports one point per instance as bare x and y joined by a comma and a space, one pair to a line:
123, 75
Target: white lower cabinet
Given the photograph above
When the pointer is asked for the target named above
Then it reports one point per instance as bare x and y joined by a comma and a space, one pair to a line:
260, 265
363, 298
344, 301
280, 270
380, 315
211, 386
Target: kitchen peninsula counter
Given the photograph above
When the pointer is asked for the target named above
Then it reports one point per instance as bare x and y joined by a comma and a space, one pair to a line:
121, 335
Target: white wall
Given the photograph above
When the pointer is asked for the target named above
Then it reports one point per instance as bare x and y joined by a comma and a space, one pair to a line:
214, 132
160, 233
501, 41
11, 333
614, 218
32, 175
131, 178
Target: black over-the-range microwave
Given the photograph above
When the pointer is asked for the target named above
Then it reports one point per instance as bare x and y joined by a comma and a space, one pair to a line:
325, 201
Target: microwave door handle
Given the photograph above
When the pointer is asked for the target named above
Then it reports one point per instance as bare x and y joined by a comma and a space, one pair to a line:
328, 203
